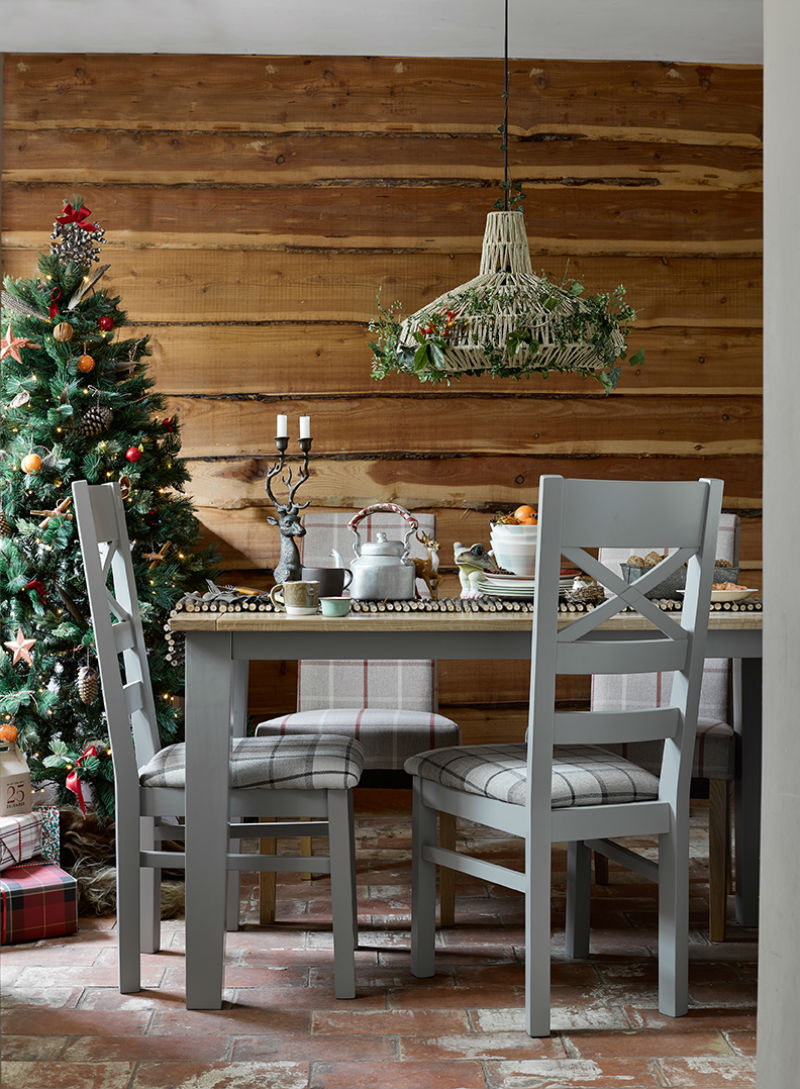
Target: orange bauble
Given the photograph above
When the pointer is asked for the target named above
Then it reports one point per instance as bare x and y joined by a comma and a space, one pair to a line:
8, 732
86, 364
31, 463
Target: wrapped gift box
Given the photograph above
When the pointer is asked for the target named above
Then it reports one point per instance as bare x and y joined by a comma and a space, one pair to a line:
28, 835
38, 901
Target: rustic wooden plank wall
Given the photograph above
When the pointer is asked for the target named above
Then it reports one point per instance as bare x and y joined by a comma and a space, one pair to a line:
254, 205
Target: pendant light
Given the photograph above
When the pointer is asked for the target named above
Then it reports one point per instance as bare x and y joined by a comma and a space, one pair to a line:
507, 321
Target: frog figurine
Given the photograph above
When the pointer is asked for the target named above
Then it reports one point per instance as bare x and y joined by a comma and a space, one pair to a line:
472, 561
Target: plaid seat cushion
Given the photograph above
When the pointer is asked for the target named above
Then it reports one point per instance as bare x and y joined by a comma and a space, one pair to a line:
284, 763
582, 774
388, 736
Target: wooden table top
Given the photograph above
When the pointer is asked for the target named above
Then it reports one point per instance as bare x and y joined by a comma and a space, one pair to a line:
427, 621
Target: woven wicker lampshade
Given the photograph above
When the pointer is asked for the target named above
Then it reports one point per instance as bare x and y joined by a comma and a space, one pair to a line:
508, 318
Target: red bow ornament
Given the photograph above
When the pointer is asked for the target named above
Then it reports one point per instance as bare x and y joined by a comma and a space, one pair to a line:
76, 215
73, 782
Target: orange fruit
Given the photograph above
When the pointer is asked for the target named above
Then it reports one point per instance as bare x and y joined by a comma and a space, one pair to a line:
525, 515
8, 732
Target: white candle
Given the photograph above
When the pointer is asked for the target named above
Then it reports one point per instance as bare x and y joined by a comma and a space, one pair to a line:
305, 427
281, 430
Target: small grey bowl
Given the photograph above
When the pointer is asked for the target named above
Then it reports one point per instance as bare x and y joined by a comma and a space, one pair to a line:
676, 581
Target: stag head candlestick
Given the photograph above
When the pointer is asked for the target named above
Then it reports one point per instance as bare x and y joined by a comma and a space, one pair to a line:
289, 568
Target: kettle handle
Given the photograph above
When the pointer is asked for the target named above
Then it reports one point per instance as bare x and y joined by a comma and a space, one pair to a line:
384, 508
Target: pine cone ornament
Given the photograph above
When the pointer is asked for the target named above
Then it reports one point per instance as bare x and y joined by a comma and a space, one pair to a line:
6, 529
76, 239
88, 684
95, 421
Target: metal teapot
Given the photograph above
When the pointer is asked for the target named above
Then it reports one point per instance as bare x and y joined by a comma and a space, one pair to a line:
382, 569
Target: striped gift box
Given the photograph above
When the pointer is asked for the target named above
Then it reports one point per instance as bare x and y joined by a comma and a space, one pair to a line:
28, 835
38, 901
20, 838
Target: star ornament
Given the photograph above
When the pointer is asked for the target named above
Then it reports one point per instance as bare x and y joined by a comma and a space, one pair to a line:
21, 647
10, 345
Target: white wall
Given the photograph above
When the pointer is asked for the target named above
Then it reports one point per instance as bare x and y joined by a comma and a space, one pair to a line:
710, 31
779, 931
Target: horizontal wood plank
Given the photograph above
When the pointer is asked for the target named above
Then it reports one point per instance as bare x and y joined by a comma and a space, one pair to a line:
481, 484
239, 285
591, 221
670, 102
169, 158
483, 425
308, 358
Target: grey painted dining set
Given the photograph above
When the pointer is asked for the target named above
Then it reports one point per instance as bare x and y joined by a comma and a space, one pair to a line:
569, 780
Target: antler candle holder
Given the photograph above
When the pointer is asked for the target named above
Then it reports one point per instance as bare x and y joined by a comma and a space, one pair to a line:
289, 568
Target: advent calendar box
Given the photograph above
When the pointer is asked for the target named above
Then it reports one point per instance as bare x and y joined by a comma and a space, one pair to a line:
15, 781
38, 901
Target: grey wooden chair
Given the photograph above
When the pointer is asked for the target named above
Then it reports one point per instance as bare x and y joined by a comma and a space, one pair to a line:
297, 777
715, 744
389, 705
562, 784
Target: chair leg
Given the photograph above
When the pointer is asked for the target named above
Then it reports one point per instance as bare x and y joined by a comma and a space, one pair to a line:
267, 883
537, 933
343, 903
423, 886
673, 919
128, 900
447, 877
579, 880
149, 893
719, 833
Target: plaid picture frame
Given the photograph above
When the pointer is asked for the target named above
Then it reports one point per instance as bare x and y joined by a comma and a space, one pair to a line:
38, 901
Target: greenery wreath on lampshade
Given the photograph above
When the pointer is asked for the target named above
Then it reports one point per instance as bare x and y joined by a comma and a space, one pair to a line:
507, 322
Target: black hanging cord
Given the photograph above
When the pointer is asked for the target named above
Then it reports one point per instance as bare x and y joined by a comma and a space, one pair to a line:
505, 118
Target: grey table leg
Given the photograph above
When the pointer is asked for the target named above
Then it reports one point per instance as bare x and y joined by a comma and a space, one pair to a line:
239, 729
747, 788
210, 684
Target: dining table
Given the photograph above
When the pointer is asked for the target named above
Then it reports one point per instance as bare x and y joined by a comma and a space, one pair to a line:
220, 645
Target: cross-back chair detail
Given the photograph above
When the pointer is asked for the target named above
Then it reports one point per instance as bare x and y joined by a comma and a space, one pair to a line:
290, 777
563, 784
715, 742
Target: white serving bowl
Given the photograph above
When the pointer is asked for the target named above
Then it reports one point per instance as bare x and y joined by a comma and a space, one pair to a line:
514, 547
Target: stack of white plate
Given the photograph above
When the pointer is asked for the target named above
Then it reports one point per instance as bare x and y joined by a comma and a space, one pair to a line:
513, 586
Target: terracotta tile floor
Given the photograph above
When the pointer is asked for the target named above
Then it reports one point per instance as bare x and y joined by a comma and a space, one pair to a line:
65, 1026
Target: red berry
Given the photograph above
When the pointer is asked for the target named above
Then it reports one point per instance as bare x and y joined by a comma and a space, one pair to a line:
133, 453
105, 323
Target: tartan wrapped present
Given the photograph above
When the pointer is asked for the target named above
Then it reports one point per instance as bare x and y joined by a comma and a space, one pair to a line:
28, 835
38, 901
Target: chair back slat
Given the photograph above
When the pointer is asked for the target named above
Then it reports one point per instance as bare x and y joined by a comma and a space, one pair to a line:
615, 727
640, 656
117, 623
583, 517
124, 636
627, 514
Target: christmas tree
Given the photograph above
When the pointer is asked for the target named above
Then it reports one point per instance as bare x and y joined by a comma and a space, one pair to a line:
77, 403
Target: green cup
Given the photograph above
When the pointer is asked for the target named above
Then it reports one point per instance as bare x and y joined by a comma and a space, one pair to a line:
335, 606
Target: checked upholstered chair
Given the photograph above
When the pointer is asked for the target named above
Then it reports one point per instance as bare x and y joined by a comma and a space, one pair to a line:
715, 743
390, 706
563, 784
298, 777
